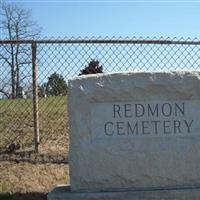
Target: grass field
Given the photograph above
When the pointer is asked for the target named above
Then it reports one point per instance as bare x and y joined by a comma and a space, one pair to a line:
17, 124
23, 180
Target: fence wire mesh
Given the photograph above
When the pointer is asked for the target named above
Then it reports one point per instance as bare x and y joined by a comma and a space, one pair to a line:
59, 60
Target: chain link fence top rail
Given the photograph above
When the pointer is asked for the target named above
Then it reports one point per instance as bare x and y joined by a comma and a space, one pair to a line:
66, 58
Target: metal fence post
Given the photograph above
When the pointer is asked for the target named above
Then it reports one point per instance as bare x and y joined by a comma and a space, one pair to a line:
35, 96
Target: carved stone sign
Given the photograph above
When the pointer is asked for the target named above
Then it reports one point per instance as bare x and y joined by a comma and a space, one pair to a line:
144, 119
134, 131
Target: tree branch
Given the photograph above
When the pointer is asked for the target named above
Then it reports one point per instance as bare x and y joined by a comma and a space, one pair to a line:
5, 93
5, 59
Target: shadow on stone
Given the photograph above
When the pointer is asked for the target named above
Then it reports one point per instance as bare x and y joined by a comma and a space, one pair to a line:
32, 157
23, 196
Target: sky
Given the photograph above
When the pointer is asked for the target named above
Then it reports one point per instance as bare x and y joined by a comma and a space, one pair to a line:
116, 18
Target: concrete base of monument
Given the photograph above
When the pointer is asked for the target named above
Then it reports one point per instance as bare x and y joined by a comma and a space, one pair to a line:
63, 192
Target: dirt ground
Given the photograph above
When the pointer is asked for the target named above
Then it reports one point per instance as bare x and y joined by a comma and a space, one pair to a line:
26, 181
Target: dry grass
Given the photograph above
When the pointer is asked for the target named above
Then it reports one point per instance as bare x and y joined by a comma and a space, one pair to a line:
24, 181
25, 178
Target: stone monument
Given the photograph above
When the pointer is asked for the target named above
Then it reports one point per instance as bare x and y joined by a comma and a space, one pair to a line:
134, 136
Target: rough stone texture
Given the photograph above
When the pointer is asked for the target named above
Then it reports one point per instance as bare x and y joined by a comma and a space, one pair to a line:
145, 159
63, 193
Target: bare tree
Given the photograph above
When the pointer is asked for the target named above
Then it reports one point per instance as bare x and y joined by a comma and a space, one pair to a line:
4, 89
16, 24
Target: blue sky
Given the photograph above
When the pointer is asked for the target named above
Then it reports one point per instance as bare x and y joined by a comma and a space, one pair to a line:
117, 18
66, 19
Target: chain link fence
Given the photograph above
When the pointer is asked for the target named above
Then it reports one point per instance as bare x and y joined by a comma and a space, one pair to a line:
34, 75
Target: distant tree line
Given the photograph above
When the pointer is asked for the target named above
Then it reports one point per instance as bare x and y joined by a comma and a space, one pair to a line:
56, 84
16, 23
